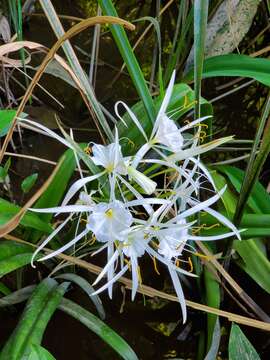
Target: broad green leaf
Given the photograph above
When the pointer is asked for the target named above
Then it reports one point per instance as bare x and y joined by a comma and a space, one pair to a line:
235, 65
182, 101
259, 200
30, 219
13, 256
85, 286
29, 182
255, 263
98, 327
6, 117
39, 353
239, 346
38, 311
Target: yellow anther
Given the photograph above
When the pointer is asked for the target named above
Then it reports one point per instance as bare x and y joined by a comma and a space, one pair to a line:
109, 213
177, 262
190, 264
88, 150
211, 226
155, 265
139, 275
93, 240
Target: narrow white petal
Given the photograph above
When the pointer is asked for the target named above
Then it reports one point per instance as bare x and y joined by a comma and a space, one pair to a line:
148, 208
211, 238
135, 280
78, 185
109, 264
197, 150
224, 221
179, 292
51, 236
146, 201
64, 209
132, 116
111, 282
140, 155
201, 205
65, 247
49, 132
204, 170
164, 104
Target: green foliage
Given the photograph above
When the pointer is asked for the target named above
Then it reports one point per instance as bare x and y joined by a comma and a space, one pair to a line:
235, 65
131, 62
29, 182
13, 256
6, 118
30, 329
240, 347
29, 220
99, 327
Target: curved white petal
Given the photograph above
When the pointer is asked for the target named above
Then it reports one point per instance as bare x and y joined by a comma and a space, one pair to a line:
49, 238
78, 185
65, 247
179, 292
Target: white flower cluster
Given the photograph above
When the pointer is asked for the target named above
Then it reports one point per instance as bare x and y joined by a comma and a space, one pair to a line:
152, 203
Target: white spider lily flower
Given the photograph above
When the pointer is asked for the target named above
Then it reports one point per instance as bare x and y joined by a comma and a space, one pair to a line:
110, 157
108, 221
132, 248
169, 135
173, 240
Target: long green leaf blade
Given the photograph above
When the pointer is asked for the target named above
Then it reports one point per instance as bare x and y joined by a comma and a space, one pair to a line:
99, 328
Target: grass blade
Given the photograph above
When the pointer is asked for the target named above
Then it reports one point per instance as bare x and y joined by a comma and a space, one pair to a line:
131, 62
200, 24
98, 327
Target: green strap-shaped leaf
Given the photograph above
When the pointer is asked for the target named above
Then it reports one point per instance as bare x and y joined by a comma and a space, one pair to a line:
85, 286
131, 62
235, 65
30, 219
13, 256
98, 327
259, 200
38, 311
17, 296
240, 347
39, 353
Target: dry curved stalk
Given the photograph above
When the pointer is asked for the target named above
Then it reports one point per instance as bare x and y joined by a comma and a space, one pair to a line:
151, 292
76, 29
241, 293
